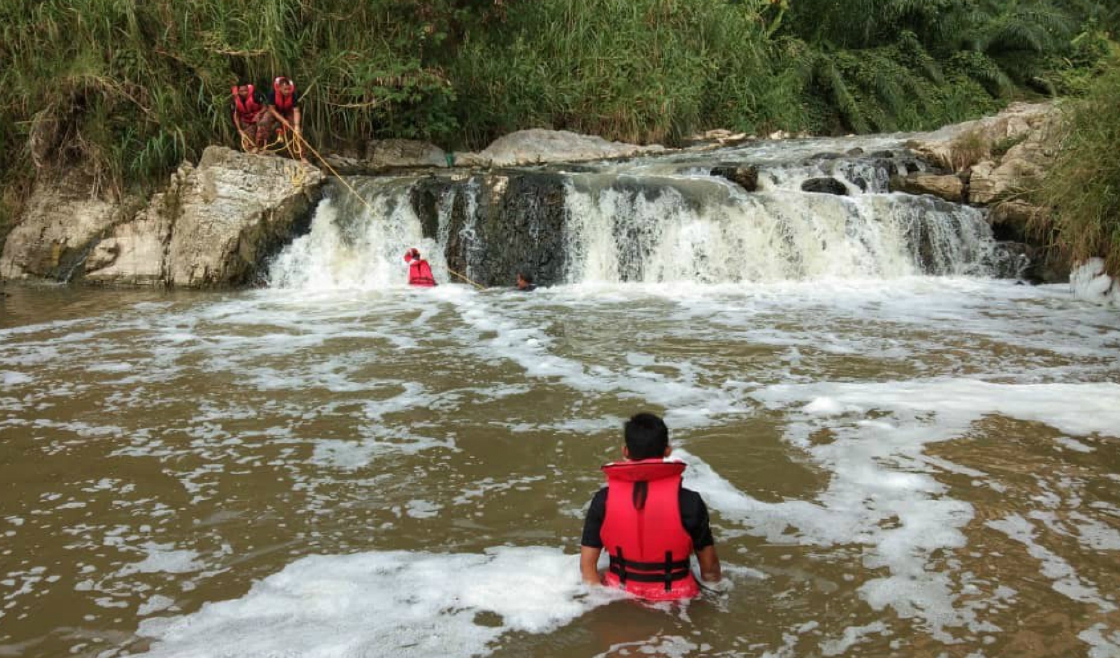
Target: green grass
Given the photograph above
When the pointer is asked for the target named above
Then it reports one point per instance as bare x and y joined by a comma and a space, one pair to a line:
1083, 186
130, 88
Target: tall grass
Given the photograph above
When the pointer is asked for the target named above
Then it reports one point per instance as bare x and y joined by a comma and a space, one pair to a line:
1083, 186
132, 87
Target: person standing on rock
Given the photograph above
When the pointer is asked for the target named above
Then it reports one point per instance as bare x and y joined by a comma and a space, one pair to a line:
419, 272
249, 107
283, 111
648, 523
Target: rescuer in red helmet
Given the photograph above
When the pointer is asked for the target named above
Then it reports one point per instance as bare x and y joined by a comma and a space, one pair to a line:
419, 272
648, 523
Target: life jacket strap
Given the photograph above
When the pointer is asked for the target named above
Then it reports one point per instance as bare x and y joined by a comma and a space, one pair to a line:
667, 572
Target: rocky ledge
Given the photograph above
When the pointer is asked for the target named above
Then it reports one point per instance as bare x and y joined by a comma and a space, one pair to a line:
213, 225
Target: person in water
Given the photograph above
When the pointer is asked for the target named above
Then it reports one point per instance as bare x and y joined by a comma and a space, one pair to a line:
284, 113
525, 282
249, 107
649, 524
419, 272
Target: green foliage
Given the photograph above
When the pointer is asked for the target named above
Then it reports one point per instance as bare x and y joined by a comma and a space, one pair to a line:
1083, 186
132, 87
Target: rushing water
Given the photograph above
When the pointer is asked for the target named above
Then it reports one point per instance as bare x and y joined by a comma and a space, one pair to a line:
338, 465
918, 466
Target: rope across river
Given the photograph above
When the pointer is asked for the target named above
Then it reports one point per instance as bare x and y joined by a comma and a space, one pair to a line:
365, 203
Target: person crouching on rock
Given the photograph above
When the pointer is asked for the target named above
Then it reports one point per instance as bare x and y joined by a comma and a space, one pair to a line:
649, 524
249, 107
283, 112
419, 272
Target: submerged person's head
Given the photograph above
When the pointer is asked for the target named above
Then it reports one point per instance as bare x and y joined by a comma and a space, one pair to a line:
411, 255
524, 280
647, 437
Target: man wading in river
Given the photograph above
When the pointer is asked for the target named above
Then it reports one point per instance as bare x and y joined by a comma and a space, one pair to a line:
649, 524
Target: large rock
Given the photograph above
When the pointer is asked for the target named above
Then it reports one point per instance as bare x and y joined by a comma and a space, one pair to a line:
516, 224
403, 153
948, 187
746, 176
538, 146
825, 185
960, 145
233, 211
62, 219
1019, 170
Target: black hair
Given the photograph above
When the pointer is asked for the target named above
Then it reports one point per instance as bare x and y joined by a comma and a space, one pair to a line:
646, 436
525, 276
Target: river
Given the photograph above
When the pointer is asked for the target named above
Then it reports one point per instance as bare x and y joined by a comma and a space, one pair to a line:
337, 465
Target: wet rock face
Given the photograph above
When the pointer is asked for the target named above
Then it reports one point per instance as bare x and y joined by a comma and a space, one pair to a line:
213, 226
516, 224
745, 176
62, 220
948, 187
825, 185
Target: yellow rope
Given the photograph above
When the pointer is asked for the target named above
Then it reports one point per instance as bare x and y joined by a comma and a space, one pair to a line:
359, 196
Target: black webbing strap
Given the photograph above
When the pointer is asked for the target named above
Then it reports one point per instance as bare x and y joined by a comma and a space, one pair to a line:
651, 566
668, 570
618, 565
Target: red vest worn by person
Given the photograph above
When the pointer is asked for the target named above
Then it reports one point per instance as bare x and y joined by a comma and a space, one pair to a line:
420, 274
643, 531
283, 103
248, 107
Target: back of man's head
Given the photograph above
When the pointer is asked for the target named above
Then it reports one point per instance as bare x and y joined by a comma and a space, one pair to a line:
646, 436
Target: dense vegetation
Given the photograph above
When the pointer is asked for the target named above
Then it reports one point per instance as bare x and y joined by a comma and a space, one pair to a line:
133, 87
1083, 187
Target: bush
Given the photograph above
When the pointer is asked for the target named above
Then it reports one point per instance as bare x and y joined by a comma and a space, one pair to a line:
1083, 186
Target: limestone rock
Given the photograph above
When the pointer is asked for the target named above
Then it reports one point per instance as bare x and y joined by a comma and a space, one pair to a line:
957, 146
716, 138
60, 221
402, 153
948, 187
232, 211
825, 185
134, 252
746, 176
1014, 211
538, 146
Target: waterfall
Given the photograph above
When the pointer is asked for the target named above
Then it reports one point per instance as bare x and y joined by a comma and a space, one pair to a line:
649, 221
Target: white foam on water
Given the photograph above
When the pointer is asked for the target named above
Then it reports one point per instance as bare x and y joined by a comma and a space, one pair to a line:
422, 509
669, 646
12, 378
881, 493
386, 604
1105, 641
1089, 281
853, 635
1066, 580
1075, 445
163, 558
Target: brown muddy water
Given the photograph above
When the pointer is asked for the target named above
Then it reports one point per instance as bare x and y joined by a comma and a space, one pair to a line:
910, 467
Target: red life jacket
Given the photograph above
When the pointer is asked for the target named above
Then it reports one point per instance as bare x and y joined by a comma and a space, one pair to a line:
643, 531
283, 103
247, 108
420, 274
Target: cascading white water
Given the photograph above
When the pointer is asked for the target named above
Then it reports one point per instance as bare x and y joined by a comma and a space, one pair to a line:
352, 245
656, 225
623, 235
